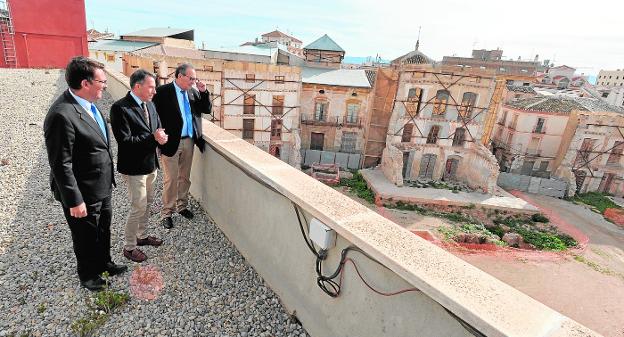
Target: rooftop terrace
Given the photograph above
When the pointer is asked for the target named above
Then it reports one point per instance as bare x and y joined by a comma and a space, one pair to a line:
251, 202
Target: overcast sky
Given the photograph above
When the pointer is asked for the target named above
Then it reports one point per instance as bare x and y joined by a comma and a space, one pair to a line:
588, 35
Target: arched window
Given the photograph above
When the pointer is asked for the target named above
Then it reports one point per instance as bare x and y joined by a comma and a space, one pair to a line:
441, 101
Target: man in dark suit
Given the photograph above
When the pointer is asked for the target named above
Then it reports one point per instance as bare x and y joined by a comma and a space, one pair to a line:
137, 130
180, 107
81, 163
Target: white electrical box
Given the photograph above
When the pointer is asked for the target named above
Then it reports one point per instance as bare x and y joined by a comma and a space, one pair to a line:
322, 235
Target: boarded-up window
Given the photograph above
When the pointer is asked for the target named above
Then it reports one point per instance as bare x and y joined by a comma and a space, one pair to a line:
407, 133
352, 112
459, 138
432, 138
248, 128
278, 105
250, 78
250, 104
539, 127
320, 111
616, 153
583, 155
348, 142
467, 104
441, 101
276, 129
414, 96
533, 145
316, 141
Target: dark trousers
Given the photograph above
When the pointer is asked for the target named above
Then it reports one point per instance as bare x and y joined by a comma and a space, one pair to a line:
91, 237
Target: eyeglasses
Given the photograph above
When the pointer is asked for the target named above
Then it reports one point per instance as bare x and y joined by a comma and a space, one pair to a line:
100, 81
192, 78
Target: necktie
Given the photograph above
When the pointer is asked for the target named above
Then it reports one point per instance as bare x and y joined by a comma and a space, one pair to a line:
187, 115
145, 113
99, 120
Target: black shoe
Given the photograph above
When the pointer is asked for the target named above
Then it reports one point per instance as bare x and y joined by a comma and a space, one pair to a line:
115, 269
186, 213
94, 284
167, 222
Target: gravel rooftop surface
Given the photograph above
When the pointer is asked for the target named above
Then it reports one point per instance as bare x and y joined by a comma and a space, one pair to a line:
209, 289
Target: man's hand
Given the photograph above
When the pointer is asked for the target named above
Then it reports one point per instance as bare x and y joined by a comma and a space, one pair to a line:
160, 136
201, 86
79, 211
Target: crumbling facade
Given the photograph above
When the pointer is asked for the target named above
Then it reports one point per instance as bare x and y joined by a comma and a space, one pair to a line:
257, 102
528, 133
335, 106
436, 125
590, 157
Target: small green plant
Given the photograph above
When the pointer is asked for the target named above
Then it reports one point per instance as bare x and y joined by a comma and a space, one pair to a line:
101, 305
358, 185
597, 200
41, 308
539, 217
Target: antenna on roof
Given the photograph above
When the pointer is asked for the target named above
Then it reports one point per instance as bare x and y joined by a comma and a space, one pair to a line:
418, 40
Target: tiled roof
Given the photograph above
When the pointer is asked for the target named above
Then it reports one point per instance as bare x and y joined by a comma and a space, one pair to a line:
277, 33
119, 45
521, 88
324, 43
94, 35
562, 104
339, 77
413, 57
158, 32
371, 74
172, 51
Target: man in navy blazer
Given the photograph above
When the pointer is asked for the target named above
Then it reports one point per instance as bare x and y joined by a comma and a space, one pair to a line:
82, 176
180, 107
136, 127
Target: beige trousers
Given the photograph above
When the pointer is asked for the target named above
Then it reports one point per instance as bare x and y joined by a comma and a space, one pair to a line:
141, 193
177, 178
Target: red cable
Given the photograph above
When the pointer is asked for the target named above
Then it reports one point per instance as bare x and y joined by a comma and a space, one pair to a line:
366, 283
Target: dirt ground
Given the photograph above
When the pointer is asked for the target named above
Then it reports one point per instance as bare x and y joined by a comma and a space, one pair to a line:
585, 284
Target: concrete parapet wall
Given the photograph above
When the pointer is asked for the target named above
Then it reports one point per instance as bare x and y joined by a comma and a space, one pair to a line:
117, 83
250, 195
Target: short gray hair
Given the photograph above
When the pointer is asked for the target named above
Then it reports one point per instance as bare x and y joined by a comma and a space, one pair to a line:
139, 76
181, 69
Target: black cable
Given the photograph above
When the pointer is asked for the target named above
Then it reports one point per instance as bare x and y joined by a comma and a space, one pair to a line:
305, 238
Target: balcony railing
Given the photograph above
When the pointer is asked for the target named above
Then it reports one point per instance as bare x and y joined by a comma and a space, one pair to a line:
325, 120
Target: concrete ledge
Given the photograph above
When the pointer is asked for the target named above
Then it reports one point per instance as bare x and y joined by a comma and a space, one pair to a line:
487, 304
118, 84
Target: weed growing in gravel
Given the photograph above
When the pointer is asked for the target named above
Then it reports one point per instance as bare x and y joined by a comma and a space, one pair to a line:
41, 308
101, 305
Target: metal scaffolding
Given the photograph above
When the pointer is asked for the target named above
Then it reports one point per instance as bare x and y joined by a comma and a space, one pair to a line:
7, 34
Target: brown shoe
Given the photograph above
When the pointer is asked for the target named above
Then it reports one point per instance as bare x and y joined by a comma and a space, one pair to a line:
149, 241
135, 255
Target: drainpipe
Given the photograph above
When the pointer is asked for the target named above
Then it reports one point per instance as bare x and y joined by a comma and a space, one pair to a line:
27, 52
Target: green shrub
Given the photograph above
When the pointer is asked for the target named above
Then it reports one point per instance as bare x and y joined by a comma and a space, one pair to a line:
539, 217
358, 185
596, 199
